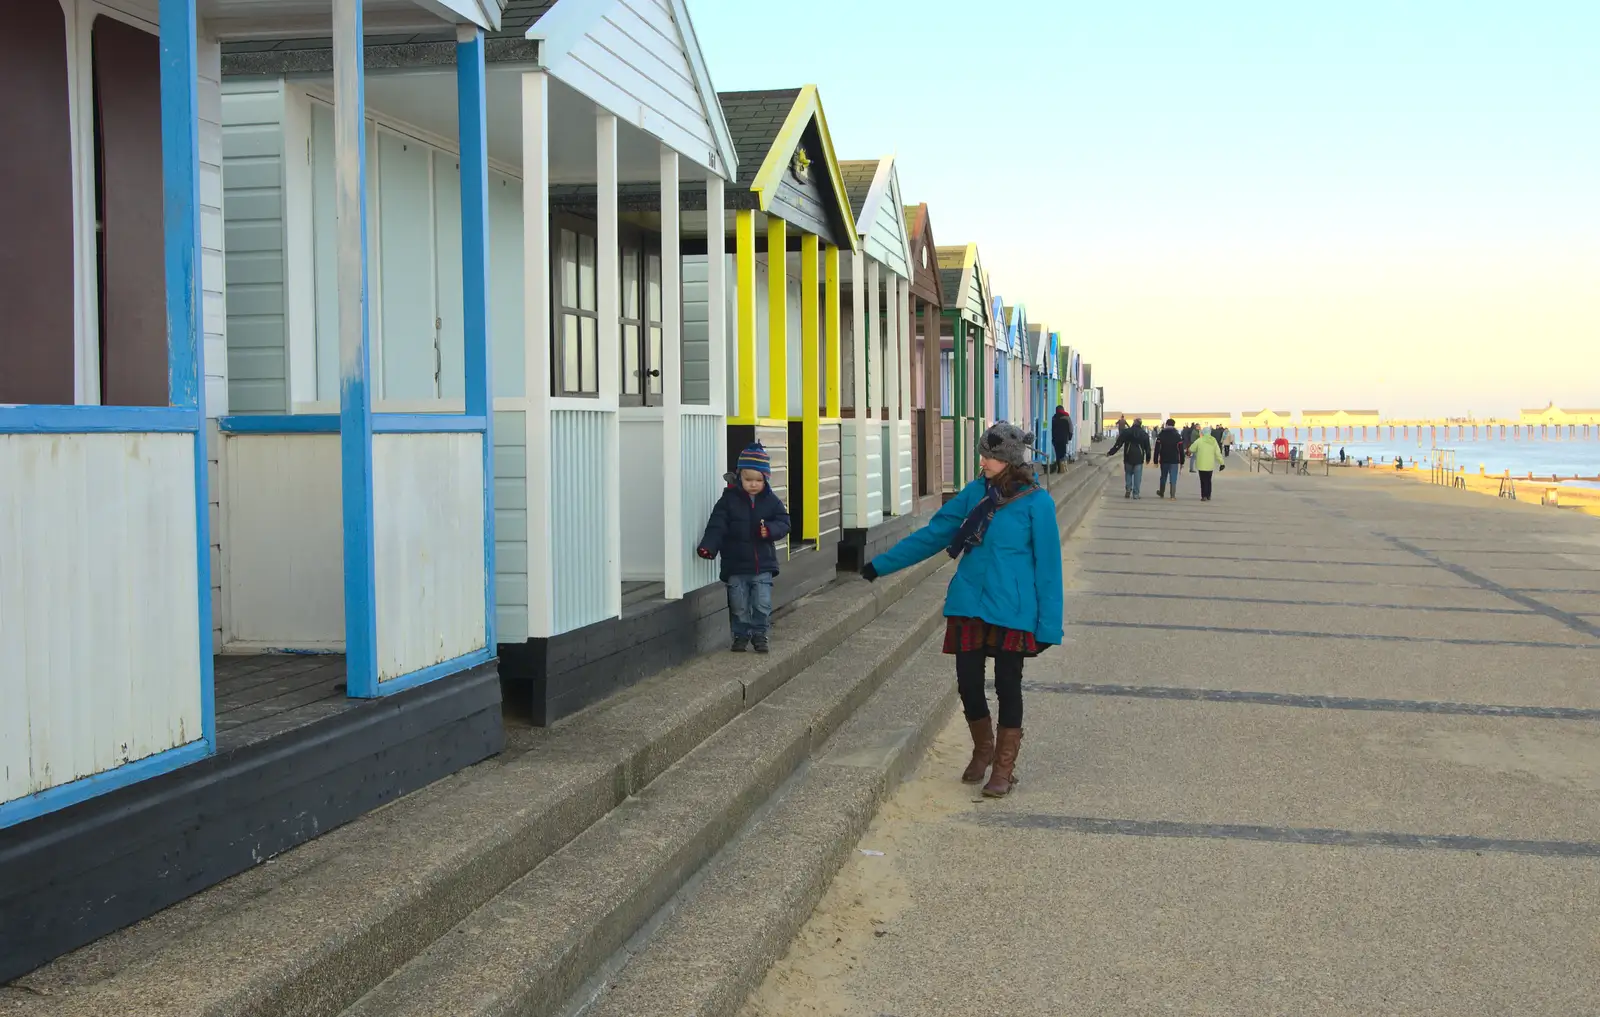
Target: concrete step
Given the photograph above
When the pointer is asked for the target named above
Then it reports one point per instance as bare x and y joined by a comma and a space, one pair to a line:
526, 950
310, 932
714, 947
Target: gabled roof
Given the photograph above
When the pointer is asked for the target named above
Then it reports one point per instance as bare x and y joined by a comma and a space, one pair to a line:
961, 273
873, 189
767, 126
561, 26
1038, 338
925, 282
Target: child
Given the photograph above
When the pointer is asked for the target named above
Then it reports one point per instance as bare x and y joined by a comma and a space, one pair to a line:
744, 526
1004, 600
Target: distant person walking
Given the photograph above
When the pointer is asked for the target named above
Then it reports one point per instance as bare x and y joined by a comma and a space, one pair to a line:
1122, 425
1061, 435
1135, 446
1206, 455
1169, 459
1005, 600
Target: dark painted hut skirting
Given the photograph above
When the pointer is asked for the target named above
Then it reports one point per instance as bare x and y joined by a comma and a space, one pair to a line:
75, 875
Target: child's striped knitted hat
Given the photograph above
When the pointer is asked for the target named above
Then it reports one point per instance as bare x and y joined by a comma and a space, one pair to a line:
755, 457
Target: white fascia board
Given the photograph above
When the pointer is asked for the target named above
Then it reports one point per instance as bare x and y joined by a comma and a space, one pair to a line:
708, 92
483, 13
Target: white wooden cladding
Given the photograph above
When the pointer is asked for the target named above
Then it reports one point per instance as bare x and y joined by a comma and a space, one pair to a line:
284, 542
580, 554
858, 434
511, 525
99, 616
427, 495
704, 452
905, 494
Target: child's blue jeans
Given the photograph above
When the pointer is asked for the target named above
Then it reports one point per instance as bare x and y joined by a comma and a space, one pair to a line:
749, 605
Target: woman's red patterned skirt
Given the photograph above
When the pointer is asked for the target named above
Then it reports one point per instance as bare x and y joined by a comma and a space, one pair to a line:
963, 635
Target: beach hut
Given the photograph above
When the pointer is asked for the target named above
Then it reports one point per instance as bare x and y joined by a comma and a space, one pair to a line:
927, 307
1009, 399
789, 318
876, 434
139, 536
607, 156
964, 333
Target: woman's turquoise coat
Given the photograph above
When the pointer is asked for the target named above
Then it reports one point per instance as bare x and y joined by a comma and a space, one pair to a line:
1012, 579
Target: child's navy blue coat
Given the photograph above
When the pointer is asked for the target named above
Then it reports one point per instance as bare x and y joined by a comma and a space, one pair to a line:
734, 531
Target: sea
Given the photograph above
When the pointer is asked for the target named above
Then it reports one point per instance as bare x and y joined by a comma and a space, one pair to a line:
1573, 457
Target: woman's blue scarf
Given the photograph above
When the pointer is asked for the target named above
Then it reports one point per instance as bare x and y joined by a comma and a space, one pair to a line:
970, 535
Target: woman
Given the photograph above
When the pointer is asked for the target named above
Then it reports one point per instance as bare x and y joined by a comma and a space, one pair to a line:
1004, 600
1206, 456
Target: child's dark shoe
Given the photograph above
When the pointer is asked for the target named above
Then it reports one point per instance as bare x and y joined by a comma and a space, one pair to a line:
739, 644
760, 643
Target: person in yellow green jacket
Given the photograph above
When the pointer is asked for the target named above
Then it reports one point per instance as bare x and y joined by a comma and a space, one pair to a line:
1207, 457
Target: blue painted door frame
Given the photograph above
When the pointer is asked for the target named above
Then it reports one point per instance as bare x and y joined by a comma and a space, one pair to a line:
357, 422
185, 409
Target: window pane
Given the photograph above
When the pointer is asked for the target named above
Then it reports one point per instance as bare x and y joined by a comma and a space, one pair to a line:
36, 287
589, 361
630, 359
630, 284
569, 353
569, 268
653, 277
655, 359
586, 273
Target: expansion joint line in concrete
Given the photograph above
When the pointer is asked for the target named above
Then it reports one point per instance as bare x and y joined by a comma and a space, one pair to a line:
1314, 702
1566, 618
1287, 835
1357, 636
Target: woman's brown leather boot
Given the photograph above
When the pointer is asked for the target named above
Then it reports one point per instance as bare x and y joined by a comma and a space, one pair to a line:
982, 750
1004, 775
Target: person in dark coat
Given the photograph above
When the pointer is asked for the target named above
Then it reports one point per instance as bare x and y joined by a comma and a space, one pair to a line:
1169, 454
745, 526
1061, 434
1135, 446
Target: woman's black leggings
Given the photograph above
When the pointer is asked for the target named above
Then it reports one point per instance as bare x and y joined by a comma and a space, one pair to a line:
1007, 685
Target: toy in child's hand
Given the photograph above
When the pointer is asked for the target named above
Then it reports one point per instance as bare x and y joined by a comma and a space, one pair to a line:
764, 534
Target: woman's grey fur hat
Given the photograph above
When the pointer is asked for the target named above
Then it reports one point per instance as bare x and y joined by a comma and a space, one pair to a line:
1006, 443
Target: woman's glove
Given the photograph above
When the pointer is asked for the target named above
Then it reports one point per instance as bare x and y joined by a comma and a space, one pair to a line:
705, 553
869, 573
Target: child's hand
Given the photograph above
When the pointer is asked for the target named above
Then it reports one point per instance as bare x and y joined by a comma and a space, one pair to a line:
764, 534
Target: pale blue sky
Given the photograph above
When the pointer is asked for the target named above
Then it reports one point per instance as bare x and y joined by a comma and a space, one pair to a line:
1364, 204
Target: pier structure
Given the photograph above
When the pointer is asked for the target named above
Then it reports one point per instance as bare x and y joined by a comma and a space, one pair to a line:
1550, 423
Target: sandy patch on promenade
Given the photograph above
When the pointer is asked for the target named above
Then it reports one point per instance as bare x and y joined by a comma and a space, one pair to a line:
867, 895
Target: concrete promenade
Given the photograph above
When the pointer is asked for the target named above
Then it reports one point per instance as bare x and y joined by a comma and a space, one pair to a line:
1325, 745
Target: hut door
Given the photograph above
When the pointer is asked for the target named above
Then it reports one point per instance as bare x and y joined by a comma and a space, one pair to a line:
641, 331
128, 199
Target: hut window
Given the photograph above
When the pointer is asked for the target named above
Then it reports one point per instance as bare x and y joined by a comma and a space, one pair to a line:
36, 276
577, 346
